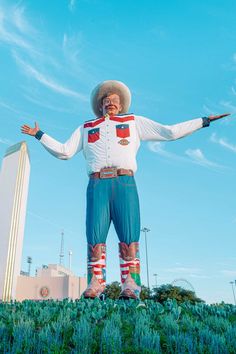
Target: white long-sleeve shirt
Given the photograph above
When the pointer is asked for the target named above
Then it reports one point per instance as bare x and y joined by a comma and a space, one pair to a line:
113, 141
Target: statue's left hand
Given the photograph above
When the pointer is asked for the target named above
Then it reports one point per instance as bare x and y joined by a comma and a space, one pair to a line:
219, 116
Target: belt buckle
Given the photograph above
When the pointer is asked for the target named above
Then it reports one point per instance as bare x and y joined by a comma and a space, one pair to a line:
108, 172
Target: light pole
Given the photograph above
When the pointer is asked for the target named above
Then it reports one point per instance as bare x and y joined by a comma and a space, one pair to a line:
155, 275
70, 256
232, 284
145, 230
29, 261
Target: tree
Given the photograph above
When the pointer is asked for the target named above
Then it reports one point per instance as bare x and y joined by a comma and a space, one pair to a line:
113, 290
168, 291
145, 293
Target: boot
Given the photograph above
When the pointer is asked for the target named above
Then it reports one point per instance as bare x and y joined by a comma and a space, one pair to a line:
130, 270
96, 271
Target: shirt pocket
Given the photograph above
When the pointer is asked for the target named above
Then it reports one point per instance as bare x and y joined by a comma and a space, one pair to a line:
122, 131
93, 135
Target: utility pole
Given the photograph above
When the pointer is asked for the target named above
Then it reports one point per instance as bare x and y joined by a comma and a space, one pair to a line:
155, 275
70, 256
232, 284
29, 261
145, 230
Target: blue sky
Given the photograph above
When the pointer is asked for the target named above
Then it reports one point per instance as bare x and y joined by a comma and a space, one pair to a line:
179, 61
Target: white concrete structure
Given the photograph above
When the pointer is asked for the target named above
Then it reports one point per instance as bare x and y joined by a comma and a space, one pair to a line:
51, 282
14, 181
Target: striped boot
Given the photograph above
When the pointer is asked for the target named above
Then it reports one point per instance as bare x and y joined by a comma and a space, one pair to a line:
130, 270
96, 271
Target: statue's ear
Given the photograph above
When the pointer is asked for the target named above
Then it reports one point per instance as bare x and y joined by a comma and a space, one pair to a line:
121, 107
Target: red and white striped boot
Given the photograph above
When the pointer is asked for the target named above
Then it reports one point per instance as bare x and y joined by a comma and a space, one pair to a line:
96, 271
130, 270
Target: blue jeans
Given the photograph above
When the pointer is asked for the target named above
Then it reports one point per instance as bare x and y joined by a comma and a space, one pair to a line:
112, 199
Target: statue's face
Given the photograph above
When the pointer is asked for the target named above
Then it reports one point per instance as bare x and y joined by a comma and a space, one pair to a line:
111, 104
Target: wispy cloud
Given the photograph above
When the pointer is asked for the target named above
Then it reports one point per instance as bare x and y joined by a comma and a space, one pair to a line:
71, 47
183, 270
223, 142
14, 29
6, 141
229, 272
18, 113
197, 156
208, 110
200, 276
229, 107
47, 105
187, 271
47, 80
50, 222
233, 90
159, 148
31, 51
71, 5
19, 20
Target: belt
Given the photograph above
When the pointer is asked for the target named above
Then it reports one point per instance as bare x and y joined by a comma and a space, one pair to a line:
111, 172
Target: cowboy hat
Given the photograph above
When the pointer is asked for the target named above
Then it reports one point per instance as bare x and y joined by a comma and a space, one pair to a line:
110, 87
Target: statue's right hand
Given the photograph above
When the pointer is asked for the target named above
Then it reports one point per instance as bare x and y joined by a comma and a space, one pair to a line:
25, 129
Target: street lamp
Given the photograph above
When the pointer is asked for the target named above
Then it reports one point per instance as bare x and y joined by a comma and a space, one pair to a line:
70, 256
155, 275
145, 230
232, 284
29, 261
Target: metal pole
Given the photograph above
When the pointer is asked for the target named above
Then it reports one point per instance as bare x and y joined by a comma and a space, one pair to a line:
155, 275
29, 261
232, 284
145, 230
70, 255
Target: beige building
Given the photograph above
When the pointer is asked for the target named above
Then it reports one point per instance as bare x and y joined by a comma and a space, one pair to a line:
51, 282
14, 181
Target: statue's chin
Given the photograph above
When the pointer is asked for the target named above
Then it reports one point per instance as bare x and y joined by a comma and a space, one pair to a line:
112, 112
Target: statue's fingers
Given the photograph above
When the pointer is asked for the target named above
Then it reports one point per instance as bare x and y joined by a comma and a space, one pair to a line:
25, 130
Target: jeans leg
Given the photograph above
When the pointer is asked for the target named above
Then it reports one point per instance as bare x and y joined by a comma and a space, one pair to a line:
98, 217
125, 210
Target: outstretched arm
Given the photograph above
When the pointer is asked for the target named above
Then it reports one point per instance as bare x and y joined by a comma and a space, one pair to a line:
151, 130
61, 151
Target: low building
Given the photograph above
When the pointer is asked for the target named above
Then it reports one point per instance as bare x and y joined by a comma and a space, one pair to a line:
51, 282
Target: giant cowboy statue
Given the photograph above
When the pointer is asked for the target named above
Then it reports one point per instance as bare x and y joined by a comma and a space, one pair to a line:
110, 142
